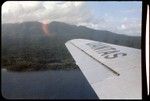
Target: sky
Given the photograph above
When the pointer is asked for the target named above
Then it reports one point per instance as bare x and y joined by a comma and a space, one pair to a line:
115, 16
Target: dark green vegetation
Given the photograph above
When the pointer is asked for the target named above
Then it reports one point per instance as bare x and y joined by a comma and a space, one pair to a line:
26, 47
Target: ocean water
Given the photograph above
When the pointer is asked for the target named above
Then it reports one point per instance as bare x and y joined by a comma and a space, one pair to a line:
51, 84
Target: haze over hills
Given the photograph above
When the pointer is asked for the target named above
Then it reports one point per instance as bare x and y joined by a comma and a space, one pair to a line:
34, 45
67, 32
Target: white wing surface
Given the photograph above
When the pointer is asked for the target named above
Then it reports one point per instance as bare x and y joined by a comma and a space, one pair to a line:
113, 71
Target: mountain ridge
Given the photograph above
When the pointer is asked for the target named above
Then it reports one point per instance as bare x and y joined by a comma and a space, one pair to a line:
64, 23
35, 46
68, 31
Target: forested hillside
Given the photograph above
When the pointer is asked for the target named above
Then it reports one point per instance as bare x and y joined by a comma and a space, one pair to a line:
36, 46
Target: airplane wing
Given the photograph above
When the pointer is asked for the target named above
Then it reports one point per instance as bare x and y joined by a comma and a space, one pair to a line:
113, 71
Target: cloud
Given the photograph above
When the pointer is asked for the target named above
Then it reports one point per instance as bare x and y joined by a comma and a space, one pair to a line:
20, 11
130, 26
72, 12
78, 13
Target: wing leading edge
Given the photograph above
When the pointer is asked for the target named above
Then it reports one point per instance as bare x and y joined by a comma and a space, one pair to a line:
113, 71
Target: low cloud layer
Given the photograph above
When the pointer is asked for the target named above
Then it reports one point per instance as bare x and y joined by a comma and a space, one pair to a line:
78, 13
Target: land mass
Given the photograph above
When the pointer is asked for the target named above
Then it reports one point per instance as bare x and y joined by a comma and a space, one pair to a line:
31, 46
